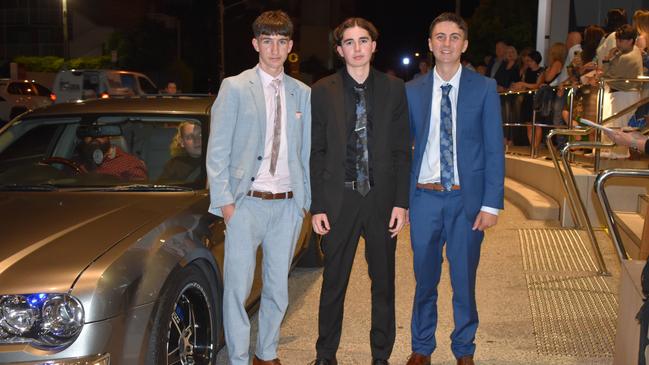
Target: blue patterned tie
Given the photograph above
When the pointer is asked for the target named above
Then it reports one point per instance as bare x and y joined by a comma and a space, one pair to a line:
362, 155
446, 139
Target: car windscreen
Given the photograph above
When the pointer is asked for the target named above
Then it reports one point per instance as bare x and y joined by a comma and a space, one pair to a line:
103, 151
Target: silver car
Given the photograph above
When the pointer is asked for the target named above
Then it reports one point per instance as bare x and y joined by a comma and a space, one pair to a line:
109, 261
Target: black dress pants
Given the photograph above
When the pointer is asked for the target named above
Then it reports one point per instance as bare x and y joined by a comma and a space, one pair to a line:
359, 216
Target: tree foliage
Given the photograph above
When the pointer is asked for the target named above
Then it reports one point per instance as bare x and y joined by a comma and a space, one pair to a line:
54, 64
513, 21
149, 46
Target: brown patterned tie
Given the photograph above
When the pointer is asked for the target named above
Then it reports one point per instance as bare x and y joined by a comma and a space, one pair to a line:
277, 128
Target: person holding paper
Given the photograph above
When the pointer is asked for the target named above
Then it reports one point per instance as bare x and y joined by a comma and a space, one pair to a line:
632, 139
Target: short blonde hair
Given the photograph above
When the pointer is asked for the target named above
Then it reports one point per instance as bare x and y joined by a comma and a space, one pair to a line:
176, 147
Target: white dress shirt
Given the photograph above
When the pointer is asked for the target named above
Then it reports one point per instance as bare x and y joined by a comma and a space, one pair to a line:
430, 171
264, 181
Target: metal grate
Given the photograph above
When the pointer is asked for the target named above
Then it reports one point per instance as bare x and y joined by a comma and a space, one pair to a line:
573, 308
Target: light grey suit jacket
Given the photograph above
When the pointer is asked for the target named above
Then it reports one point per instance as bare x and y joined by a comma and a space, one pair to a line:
238, 133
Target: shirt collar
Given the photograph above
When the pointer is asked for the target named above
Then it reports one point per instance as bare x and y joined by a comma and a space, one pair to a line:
350, 82
266, 78
454, 81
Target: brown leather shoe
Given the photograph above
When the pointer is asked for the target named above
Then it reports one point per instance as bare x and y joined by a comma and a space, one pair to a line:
258, 361
418, 359
465, 360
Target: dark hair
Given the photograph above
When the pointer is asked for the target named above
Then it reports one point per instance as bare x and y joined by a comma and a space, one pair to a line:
273, 22
450, 17
592, 36
615, 18
351, 23
535, 56
626, 32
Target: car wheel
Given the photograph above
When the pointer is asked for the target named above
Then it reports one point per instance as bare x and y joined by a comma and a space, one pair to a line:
186, 321
312, 256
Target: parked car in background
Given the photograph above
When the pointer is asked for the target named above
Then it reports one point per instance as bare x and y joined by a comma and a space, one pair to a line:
95, 269
19, 96
74, 85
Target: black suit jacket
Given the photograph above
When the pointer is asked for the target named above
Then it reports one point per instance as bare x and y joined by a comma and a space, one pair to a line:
390, 152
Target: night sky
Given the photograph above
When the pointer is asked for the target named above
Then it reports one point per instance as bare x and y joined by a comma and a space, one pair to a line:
403, 27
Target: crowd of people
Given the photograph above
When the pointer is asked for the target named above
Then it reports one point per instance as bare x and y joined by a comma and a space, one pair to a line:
618, 50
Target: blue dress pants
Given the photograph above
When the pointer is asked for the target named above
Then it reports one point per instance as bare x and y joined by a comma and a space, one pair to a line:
438, 218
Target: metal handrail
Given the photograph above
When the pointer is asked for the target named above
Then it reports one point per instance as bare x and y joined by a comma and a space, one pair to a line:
600, 180
599, 118
577, 206
555, 159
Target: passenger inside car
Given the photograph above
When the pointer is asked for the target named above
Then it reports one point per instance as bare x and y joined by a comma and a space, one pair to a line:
99, 156
185, 163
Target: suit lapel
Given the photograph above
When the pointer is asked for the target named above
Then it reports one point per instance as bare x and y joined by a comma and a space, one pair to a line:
337, 94
463, 96
256, 88
380, 91
291, 92
426, 94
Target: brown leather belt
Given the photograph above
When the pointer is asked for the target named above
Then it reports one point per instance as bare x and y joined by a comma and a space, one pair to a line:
267, 195
436, 186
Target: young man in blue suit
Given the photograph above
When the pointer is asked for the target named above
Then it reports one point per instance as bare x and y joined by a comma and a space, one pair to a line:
456, 187
258, 169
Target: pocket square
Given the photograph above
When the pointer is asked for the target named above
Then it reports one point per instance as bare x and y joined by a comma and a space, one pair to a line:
298, 115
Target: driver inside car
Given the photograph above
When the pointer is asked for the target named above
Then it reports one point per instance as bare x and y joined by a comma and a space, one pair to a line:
99, 156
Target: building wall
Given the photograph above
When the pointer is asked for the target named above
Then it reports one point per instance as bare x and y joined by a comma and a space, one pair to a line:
35, 28
30, 28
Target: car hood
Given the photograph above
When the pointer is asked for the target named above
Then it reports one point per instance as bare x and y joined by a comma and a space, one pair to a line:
47, 239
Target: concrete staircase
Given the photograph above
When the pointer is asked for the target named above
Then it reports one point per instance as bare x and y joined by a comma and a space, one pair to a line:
631, 225
534, 203
534, 186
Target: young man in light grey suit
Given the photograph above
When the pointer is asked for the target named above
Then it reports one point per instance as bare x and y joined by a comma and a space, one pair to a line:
258, 169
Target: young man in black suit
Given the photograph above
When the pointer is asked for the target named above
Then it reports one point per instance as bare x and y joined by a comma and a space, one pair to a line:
360, 160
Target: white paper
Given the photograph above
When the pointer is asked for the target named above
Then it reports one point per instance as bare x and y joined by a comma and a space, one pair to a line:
590, 123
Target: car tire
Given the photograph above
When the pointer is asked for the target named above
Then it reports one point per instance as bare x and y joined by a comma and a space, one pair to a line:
16, 112
187, 319
313, 255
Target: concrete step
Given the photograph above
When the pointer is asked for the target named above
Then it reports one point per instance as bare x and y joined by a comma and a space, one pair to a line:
643, 202
534, 203
631, 225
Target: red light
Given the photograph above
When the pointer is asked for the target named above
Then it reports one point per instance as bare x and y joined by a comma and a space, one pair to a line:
53, 97
105, 96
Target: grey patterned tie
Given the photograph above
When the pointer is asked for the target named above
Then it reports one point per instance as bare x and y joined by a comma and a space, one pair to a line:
277, 128
362, 155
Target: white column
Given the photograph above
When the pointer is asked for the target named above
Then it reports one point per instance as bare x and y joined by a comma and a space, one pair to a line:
543, 27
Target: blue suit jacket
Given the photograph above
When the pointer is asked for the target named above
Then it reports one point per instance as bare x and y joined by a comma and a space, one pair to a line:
238, 134
479, 139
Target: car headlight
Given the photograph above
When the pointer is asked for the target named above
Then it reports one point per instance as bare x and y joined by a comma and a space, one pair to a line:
44, 320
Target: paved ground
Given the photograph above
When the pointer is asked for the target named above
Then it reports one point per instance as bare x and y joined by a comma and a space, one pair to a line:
505, 336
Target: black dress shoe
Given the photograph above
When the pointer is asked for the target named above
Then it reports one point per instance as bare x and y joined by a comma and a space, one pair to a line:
325, 362
380, 362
